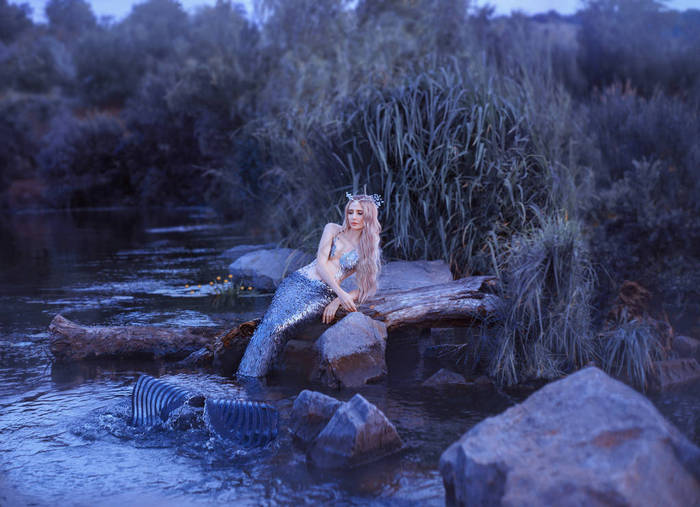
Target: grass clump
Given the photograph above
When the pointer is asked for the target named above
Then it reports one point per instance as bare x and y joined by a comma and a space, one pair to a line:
544, 326
629, 350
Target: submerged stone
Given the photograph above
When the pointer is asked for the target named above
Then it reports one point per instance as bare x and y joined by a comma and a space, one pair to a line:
357, 433
445, 377
310, 414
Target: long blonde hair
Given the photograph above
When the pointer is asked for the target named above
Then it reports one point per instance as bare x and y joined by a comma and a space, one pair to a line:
369, 264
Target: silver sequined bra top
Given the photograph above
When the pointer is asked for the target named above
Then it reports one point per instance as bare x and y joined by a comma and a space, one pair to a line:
348, 261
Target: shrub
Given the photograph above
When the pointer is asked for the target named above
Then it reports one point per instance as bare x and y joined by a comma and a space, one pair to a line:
544, 325
83, 161
628, 351
646, 227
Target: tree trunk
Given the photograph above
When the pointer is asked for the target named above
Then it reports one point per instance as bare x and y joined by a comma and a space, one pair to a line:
70, 341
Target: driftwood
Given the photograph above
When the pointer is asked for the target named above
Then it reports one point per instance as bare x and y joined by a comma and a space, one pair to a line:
459, 303
70, 341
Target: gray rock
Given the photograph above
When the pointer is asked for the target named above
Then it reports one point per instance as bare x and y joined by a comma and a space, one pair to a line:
404, 275
310, 414
357, 433
240, 250
445, 377
686, 346
672, 372
352, 352
265, 269
583, 440
299, 357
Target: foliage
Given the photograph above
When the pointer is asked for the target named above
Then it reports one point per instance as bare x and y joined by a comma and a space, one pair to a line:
544, 325
640, 41
14, 20
628, 350
69, 18
83, 160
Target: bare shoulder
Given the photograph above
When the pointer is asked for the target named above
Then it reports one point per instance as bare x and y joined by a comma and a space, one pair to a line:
331, 228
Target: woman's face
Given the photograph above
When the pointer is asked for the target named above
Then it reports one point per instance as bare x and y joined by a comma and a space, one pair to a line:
355, 218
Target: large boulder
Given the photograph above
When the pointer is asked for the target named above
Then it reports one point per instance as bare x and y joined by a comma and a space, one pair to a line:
352, 352
583, 440
240, 250
357, 433
265, 269
405, 275
310, 414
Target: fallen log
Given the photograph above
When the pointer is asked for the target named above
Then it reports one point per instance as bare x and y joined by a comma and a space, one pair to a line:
70, 341
464, 302
459, 303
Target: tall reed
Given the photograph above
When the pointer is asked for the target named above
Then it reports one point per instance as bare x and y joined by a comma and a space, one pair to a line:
544, 326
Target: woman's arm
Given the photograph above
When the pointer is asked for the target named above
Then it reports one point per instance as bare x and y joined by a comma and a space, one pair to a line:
332, 307
324, 268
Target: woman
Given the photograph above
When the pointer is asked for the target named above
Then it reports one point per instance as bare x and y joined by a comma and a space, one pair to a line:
314, 291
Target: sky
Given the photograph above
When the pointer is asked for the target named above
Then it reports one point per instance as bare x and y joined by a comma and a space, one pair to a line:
120, 8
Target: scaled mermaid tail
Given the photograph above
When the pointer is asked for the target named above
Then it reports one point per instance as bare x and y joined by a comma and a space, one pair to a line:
297, 301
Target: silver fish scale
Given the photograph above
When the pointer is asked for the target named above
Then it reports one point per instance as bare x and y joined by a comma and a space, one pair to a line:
298, 301
152, 400
249, 423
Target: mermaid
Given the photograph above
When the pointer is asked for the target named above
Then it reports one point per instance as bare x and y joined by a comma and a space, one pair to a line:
314, 290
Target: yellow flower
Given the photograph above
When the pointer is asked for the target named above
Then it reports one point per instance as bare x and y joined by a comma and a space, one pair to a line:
230, 275
187, 286
225, 281
242, 288
250, 288
199, 285
211, 283
218, 278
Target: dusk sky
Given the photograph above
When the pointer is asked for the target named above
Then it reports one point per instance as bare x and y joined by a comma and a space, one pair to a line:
119, 8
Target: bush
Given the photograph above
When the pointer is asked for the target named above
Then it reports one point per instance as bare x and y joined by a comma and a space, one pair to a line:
83, 161
646, 228
639, 41
628, 351
14, 20
544, 325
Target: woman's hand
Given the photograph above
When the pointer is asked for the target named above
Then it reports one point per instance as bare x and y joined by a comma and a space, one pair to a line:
347, 301
329, 311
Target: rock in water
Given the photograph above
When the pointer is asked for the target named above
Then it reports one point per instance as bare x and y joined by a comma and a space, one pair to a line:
311, 412
685, 346
357, 433
673, 372
352, 352
583, 440
265, 269
445, 377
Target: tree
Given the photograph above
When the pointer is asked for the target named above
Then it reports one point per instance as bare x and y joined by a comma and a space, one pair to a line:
69, 18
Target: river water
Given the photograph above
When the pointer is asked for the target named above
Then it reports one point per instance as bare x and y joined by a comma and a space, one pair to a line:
65, 437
